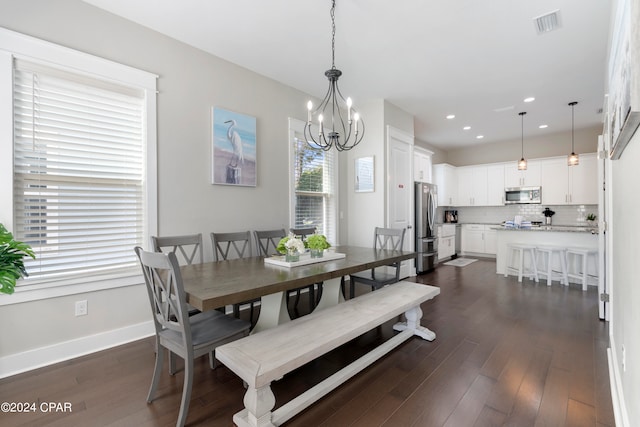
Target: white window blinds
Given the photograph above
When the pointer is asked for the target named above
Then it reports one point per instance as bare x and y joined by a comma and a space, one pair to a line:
314, 188
78, 172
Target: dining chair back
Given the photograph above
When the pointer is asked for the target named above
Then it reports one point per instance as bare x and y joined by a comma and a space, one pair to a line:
383, 238
303, 233
234, 245
189, 246
186, 336
267, 241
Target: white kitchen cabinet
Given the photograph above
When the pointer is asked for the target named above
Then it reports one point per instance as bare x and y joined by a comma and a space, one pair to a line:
478, 239
446, 178
472, 185
472, 238
583, 180
495, 184
490, 240
570, 185
446, 241
422, 165
526, 178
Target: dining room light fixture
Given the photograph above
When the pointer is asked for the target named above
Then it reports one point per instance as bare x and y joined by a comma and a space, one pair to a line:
342, 134
522, 163
572, 159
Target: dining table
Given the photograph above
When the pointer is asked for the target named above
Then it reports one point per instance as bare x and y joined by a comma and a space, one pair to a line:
213, 285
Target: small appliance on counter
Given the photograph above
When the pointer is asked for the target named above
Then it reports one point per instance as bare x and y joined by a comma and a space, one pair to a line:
548, 213
451, 216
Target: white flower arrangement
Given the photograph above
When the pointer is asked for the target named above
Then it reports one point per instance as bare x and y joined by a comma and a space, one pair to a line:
291, 244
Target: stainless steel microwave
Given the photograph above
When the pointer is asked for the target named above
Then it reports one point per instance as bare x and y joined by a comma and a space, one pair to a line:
522, 195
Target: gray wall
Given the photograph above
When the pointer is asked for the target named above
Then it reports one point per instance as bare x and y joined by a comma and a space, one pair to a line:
191, 82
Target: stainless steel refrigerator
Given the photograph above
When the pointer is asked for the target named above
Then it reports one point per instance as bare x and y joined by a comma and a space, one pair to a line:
426, 202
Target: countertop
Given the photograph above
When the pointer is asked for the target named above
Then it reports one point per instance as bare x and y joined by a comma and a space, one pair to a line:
553, 228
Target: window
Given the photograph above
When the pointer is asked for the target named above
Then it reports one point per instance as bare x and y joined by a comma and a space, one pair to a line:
83, 178
314, 184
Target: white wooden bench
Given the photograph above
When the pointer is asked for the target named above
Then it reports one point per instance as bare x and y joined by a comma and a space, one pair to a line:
268, 355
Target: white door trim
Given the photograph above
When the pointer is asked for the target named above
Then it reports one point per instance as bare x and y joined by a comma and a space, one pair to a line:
408, 268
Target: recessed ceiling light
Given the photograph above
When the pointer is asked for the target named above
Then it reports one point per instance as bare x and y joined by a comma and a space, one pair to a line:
543, 126
466, 128
451, 116
529, 99
479, 136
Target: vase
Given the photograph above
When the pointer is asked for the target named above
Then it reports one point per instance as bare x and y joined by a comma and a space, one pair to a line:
317, 253
292, 257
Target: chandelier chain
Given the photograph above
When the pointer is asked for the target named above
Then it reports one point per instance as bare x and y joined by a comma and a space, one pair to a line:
333, 35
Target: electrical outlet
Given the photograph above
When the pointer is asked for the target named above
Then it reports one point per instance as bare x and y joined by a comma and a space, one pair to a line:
81, 308
624, 360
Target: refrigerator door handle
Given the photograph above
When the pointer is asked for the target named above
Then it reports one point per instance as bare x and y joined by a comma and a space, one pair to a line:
432, 214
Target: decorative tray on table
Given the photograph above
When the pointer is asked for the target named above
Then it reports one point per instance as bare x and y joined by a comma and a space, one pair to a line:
305, 259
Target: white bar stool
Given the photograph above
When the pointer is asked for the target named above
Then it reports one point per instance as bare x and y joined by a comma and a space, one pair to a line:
580, 257
521, 250
547, 254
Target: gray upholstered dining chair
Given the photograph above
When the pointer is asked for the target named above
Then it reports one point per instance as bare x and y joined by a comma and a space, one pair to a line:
383, 238
267, 244
234, 245
187, 336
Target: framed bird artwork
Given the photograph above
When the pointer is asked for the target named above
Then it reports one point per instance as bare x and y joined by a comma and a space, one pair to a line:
233, 148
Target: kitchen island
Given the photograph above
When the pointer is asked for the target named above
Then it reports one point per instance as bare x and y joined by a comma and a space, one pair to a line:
564, 236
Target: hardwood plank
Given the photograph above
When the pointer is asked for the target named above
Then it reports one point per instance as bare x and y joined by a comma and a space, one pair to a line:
472, 403
529, 396
580, 415
555, 398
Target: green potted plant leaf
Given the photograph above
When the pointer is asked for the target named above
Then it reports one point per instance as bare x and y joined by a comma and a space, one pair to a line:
11, 264
317, 243
591, 219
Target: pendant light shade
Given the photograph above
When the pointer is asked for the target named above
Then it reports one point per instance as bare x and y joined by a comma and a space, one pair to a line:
522, 163
572, 159
345, 127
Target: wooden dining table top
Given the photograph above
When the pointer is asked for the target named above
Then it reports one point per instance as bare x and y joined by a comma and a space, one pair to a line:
215, 284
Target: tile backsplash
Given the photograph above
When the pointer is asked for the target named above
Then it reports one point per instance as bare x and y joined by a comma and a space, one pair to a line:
564, 215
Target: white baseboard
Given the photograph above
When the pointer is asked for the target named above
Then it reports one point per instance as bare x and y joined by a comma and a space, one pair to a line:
44, 356
617, 393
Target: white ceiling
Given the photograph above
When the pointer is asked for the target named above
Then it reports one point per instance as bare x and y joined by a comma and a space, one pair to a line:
477, 59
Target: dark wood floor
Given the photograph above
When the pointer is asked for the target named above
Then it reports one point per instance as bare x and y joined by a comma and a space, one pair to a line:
506, 354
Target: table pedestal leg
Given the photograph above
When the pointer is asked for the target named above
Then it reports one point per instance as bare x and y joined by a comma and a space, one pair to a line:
331, 294
273, 312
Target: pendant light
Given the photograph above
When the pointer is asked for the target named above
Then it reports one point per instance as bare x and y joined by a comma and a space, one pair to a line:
572, 159
522, 164
344, 134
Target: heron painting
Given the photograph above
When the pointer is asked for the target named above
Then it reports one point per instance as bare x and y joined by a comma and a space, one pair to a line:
233, 151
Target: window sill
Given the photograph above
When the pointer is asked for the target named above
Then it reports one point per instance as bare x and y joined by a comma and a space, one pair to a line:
27, 293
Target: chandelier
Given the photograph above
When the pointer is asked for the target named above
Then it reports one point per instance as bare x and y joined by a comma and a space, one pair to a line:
342, 134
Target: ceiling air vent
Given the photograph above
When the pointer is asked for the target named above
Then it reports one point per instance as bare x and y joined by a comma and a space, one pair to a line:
547, 22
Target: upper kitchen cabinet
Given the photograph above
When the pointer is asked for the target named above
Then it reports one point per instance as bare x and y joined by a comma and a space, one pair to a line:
472, 185
422, 165
570, 185
495, 184
526, 178
445, 177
